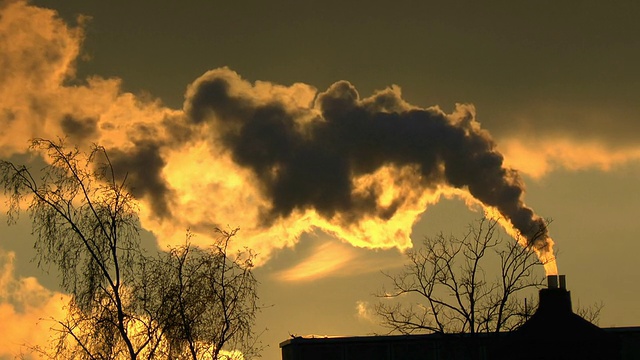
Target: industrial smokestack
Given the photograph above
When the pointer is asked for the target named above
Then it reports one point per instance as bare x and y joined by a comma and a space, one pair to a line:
555, 298
565, 335
557, 282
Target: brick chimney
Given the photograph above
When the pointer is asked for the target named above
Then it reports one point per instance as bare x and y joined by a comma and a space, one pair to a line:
555, 299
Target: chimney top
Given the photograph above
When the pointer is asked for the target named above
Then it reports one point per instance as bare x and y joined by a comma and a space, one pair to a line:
563, 332
557, 282
563, 281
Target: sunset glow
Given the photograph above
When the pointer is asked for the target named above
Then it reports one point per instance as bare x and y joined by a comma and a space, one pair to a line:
335, 144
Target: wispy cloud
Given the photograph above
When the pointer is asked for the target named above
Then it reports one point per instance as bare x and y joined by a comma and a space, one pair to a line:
331, 258
327, 259
540, 157
365, 312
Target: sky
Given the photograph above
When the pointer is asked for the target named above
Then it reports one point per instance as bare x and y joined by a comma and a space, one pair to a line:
336, 135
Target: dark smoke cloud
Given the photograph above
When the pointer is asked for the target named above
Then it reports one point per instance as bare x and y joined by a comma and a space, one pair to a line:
142, 166
310, 164
79, 129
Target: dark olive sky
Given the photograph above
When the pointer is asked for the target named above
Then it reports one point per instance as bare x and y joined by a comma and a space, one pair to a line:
557, 84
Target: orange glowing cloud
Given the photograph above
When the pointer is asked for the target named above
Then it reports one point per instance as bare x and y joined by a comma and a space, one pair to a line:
38, 50
335, 259
187, 173
327, 258
539, 157
38, 57
27, 305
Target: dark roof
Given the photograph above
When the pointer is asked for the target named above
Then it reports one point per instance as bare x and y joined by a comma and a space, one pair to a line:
554, 332
554, 317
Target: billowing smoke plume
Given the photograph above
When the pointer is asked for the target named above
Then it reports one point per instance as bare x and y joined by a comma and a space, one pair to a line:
308, 158
278, 161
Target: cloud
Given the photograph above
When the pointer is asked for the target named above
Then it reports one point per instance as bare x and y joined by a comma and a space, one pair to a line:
327, 259
41, 97
143, 166
540, 157
323, 257
38, 51
331, 157
278, 161
25, 302
78, 129
365, 312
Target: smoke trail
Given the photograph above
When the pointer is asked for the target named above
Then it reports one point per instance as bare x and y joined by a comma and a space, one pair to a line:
277, 161
306, 158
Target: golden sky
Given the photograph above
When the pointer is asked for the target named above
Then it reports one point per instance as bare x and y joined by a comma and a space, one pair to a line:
336, 136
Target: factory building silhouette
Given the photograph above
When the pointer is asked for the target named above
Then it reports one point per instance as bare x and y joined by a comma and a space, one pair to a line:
553, 332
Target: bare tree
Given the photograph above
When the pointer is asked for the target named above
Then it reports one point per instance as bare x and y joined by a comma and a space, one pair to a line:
184, 278
124, 303
449, 278
590, 313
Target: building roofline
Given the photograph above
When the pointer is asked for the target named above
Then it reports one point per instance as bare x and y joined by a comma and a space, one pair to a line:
315, 339
320, 339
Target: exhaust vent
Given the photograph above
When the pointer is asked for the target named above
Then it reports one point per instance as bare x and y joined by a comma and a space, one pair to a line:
557, 282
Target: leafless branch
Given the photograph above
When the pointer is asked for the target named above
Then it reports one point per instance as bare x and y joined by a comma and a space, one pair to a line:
445, 286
